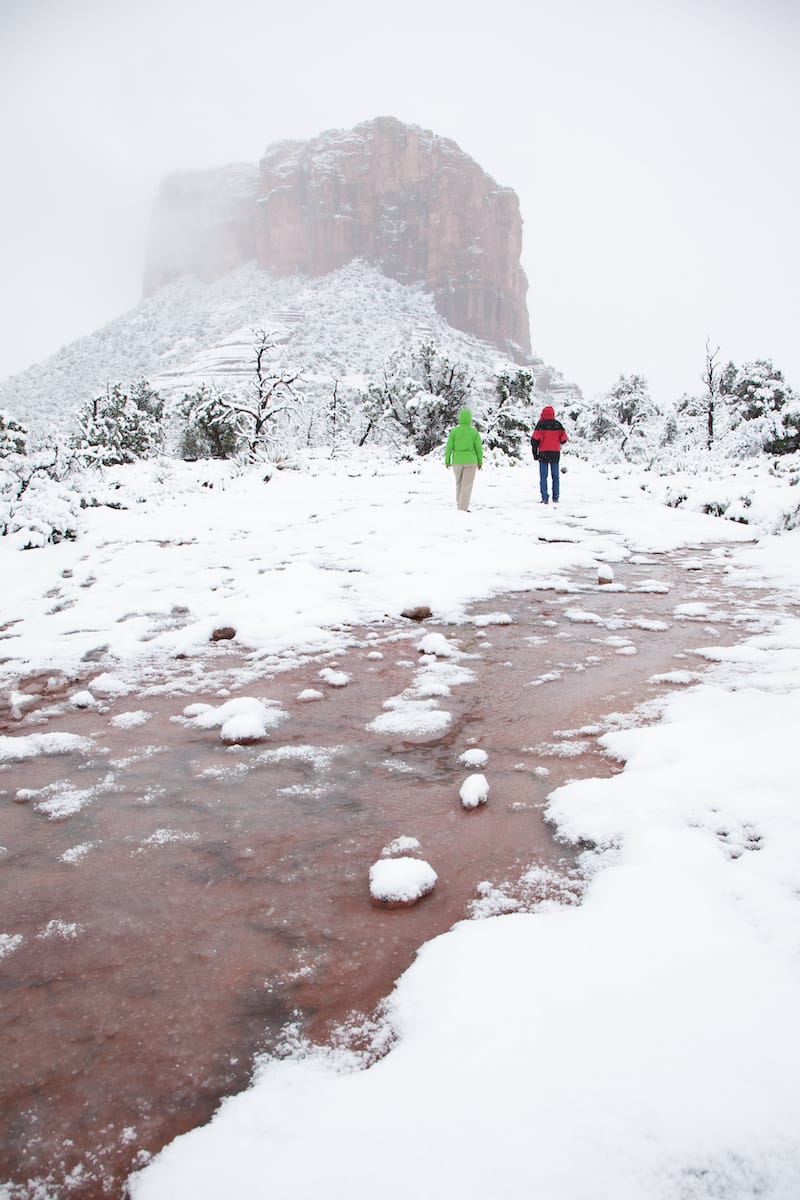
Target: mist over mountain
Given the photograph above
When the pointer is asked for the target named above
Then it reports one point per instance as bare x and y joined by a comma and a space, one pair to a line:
397, 196
342, 248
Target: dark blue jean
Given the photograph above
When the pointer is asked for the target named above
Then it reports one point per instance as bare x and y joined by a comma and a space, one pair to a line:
544, 467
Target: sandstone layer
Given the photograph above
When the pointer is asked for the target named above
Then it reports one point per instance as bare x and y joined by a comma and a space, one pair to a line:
398, 196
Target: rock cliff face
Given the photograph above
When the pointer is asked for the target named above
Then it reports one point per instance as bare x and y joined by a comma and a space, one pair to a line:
395, 195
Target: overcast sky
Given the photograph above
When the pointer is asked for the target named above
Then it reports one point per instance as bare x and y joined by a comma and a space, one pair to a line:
653, 145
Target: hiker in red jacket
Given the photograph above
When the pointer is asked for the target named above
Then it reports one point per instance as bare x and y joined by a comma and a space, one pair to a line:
546, 441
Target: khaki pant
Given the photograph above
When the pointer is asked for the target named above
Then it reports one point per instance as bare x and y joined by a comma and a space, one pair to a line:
465, 477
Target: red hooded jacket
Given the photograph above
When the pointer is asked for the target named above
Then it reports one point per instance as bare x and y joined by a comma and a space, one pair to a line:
549, 436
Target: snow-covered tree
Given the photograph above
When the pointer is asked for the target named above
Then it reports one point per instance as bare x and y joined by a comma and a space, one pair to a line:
417, 399
755, 390
625, 422
121, 426
761, 407
507, 418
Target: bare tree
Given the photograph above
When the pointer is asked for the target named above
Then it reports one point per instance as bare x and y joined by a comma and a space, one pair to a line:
712, 377
269, 392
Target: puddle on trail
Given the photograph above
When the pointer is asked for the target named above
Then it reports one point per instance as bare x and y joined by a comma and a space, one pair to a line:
178, 900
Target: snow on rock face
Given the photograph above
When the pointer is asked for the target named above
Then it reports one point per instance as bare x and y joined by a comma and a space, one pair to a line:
474, 791
605, 574
400, 882
243, 720
436, 644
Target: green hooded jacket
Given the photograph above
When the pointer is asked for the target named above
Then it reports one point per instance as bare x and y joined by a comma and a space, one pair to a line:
464, 442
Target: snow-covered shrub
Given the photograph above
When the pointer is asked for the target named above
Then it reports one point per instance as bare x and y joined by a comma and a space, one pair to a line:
121, 426
417, 400
210, 428
747, 411
35, 505
762, 410
507, 418
625, 423
13, 437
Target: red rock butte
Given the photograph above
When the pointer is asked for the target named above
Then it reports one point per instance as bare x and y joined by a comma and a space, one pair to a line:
400, 197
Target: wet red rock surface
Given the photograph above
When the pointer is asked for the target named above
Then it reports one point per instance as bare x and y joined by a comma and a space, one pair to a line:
198, 896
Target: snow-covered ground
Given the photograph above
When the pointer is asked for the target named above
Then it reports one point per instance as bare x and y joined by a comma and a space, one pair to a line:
639, 1045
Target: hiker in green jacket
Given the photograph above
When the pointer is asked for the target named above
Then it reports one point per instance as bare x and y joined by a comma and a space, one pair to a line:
465, 452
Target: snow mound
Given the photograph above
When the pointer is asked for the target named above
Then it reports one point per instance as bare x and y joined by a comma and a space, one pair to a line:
474, 758
334, 678
474, 791
401, 880
436, 644
243, 720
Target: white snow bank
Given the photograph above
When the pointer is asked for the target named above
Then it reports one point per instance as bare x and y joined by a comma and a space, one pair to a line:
401, 880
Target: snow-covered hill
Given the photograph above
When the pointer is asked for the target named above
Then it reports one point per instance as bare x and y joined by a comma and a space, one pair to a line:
340, 325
